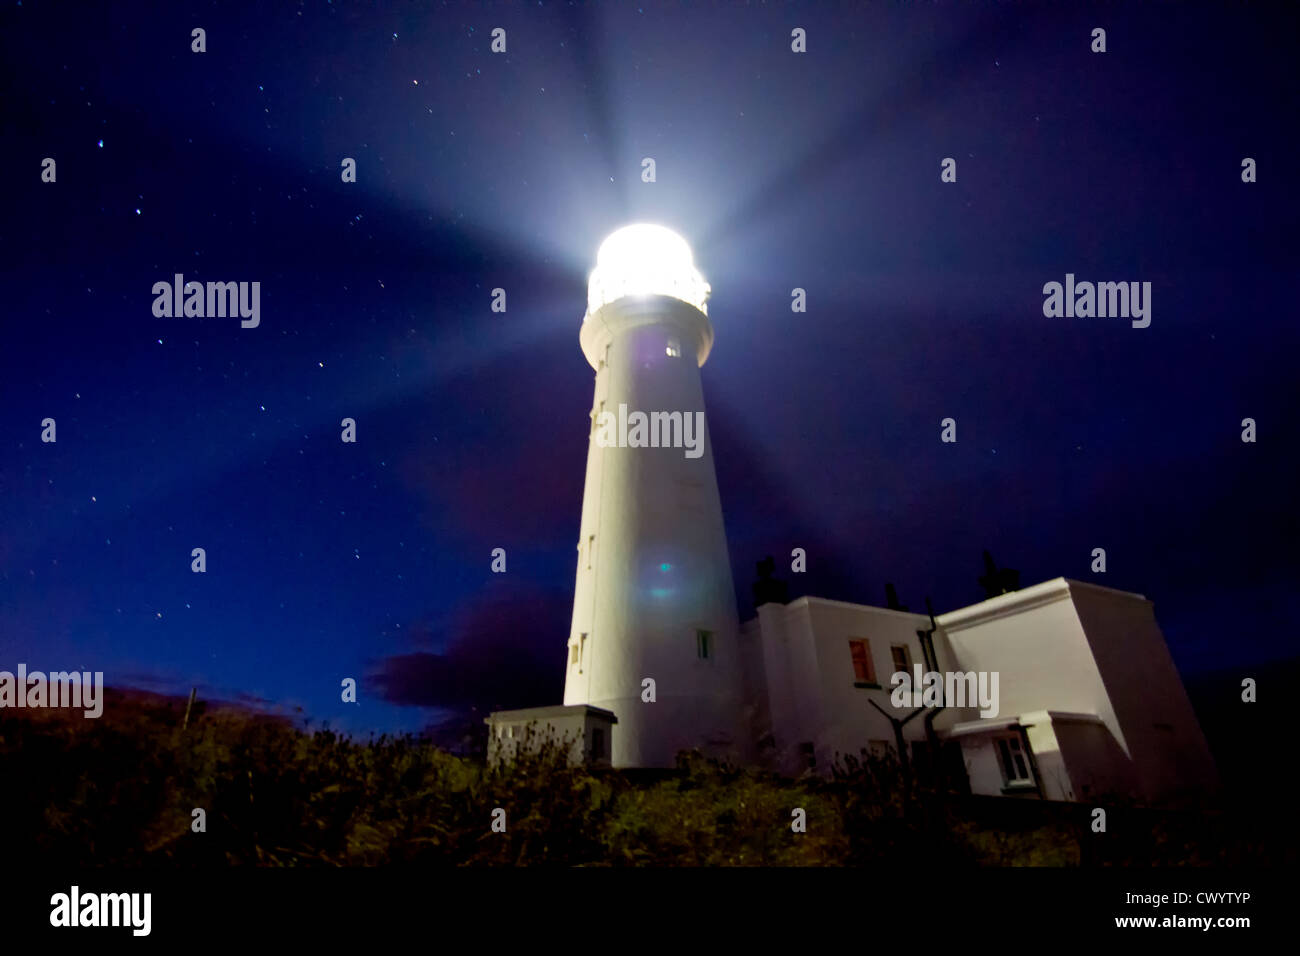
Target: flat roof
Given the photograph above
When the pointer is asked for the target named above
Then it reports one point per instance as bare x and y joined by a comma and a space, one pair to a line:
1025, 599
1013, 602
809, 599
542, 713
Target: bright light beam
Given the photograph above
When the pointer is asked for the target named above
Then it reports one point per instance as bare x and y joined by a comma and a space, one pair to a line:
645, 259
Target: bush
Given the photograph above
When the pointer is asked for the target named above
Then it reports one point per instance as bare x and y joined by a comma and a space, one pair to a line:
124, 791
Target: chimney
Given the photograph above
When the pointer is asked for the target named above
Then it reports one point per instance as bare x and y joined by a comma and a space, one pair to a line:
891, 598
768, 589
998, 580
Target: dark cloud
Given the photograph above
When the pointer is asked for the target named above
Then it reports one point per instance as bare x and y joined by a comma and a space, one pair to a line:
507, 651
169, 686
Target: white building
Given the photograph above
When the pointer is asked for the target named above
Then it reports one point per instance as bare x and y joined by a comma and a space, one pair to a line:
586, 732
1087, 701
1089, 690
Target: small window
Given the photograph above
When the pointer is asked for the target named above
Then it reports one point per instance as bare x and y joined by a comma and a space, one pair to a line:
673, 349
573, 653
902, 658
863, 671
591, 546
704, 644
1015, 765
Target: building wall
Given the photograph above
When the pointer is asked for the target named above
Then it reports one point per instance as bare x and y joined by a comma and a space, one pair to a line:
509, 735
526, 731
1051, 768
811, 694
1033, 639
1066, 646
984, 768
653, 566
1098, 767
1160, 729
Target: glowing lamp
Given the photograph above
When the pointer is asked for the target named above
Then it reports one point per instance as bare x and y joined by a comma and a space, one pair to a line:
645, 259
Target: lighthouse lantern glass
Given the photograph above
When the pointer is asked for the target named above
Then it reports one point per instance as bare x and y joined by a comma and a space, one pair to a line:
645, 259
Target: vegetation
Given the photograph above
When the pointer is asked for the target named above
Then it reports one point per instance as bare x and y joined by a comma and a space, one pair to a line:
123, 792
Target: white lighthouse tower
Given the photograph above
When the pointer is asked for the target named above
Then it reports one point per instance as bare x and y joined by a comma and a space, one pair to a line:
653, 600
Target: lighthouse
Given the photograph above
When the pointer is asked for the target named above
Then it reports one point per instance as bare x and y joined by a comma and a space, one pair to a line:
656, 661
654, 632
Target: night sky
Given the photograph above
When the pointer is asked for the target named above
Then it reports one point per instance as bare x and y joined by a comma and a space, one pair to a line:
477, 170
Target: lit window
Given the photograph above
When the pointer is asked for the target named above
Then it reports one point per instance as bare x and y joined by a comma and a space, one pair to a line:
902, 658
1015, 764
673, 349
863, 671
703, 644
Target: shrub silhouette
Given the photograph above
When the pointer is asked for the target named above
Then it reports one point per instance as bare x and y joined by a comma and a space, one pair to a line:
121, 790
